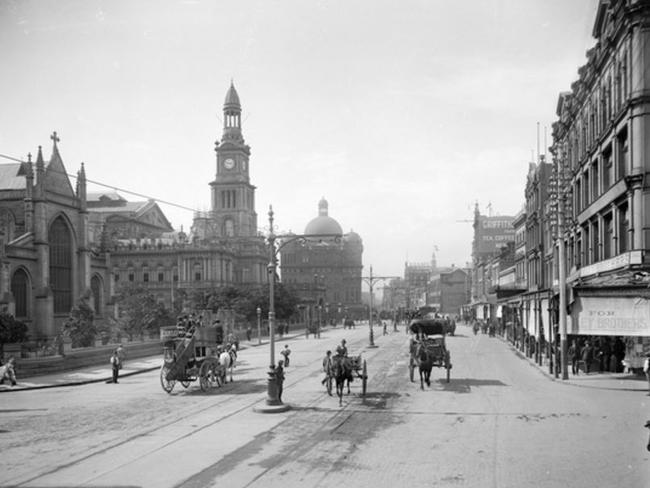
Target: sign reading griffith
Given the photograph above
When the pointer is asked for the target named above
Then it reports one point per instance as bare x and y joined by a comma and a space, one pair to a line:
611, 316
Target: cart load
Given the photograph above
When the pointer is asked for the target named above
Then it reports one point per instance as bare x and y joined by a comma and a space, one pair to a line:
436, 326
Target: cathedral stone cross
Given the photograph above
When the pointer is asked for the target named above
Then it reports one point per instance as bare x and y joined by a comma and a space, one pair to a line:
54, 137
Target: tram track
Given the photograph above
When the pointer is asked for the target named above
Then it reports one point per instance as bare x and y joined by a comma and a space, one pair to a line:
213, 402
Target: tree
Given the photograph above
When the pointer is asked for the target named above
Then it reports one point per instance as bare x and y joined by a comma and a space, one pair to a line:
11, 330
80, 324
141, 312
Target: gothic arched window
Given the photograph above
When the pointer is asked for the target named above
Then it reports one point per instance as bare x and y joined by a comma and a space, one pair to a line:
60, 242
96, 289
20, 291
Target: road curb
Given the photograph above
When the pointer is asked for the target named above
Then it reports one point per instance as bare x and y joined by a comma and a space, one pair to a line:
78, 383
131, 373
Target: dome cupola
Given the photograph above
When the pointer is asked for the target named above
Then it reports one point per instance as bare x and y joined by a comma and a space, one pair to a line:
323, 224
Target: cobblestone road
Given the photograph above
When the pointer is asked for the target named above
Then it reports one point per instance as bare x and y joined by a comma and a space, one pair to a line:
499, 423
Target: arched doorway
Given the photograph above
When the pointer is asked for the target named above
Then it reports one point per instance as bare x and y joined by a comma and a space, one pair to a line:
60, 241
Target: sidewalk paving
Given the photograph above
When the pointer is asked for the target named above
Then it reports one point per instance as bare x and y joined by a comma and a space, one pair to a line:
603, 381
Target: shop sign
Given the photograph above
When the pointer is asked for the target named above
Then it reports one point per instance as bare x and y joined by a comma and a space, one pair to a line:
625, 316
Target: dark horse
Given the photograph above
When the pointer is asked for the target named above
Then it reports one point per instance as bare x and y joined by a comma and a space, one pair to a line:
342, 370
424, 362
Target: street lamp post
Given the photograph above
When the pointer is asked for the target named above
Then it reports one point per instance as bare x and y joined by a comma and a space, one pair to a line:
320, 314
273, 399
259, 325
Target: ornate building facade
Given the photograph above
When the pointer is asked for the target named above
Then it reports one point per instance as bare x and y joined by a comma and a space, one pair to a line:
601, 143
46, 260
224, 246
325, 272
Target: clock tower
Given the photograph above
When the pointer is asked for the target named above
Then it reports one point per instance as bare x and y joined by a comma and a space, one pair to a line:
233, 196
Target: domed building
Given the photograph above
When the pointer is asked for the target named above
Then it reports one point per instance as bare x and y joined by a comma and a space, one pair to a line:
325, 271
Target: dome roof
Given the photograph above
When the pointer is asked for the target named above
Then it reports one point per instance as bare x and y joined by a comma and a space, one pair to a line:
323, 224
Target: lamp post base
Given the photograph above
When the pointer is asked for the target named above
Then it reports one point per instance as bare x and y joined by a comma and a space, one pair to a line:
273, 404
372, 340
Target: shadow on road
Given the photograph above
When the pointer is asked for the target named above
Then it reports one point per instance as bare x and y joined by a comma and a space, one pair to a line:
464, 385
377, 400
235, 388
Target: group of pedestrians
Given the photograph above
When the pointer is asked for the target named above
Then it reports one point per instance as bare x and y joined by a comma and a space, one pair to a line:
605, 353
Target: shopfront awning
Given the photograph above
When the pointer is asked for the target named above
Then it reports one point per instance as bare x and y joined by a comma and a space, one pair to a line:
611, 316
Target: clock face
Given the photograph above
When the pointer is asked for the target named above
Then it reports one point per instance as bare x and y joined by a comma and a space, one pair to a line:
229, 163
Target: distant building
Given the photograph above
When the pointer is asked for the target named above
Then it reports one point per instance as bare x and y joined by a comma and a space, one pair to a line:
490, 235
112, 217
327, 271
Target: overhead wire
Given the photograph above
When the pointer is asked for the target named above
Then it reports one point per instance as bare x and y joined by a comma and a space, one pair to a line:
112, 187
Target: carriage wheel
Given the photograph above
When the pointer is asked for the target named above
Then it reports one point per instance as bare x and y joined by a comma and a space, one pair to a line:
167, 385
204, 377
364, 380
411, 370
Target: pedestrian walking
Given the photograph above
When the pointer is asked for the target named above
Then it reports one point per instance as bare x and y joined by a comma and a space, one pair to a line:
279, 378
285, 353
327, 366
115, 365
249, 331
383, 322
646, 370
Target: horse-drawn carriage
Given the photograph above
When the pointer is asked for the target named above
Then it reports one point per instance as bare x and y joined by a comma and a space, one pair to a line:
346, 368
428, 348
195, 355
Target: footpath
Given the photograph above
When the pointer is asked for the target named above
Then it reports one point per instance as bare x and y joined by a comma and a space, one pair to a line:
98, 374
602, 381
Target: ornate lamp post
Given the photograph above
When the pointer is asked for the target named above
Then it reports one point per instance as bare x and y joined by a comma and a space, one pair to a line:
259, 325
272, 399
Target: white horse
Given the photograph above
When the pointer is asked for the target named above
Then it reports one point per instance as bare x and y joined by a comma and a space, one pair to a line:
7, 372
226, 361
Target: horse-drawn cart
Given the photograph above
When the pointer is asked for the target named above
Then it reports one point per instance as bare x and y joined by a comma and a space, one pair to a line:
346, 368
428, 347
187, 359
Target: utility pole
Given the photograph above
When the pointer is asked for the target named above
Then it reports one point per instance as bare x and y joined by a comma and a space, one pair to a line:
371, 281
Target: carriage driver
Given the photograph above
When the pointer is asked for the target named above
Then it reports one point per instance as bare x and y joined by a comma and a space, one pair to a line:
342, 350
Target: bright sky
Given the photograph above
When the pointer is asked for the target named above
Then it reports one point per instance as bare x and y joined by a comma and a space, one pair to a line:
401, 114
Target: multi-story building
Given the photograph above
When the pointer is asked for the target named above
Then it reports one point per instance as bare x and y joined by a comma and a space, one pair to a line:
491, 233
601, 143
112, 218
325, 272
416, 279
